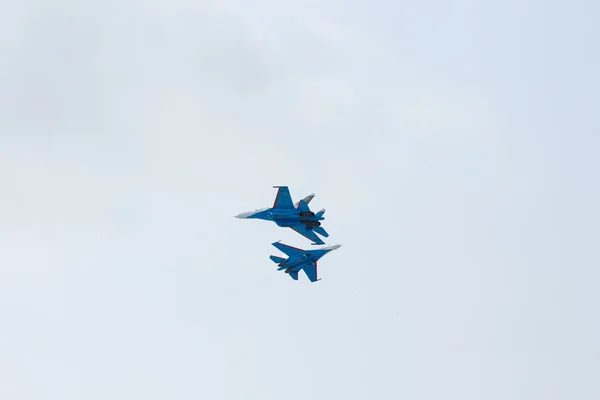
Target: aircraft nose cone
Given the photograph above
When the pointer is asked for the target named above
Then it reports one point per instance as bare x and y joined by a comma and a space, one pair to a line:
335, 247
245, 214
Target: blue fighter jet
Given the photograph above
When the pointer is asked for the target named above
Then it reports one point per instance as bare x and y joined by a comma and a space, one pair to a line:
296, 216
299, 259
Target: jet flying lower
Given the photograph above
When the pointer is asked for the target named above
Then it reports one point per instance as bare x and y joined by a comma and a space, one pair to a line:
300, 260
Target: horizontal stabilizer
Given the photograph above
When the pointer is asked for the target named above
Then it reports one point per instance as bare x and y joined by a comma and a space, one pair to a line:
321, 231
294, 275
277, 260
320, 213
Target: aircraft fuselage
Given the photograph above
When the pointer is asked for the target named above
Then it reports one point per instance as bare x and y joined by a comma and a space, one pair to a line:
296, 263
287, 218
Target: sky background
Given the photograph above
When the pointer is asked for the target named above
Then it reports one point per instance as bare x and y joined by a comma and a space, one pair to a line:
454, 145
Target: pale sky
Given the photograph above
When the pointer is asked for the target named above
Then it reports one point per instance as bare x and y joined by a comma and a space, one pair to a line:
454, 145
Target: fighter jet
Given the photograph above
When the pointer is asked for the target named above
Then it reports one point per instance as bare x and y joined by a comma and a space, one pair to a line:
296, 216
299, 259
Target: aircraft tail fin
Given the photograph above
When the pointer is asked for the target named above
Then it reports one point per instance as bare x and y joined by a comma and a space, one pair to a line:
283, 200
302, 206
294, 275
320, 231
277, 260
307, 199
320, 213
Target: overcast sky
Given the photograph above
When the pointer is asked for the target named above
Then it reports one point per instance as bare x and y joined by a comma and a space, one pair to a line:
454, 145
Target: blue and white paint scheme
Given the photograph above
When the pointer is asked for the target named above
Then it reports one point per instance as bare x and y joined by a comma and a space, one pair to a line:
299, 259
296, 216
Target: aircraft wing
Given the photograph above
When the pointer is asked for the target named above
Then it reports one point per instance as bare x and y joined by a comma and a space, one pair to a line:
311, 271
283, 198
307, 233
290, 251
